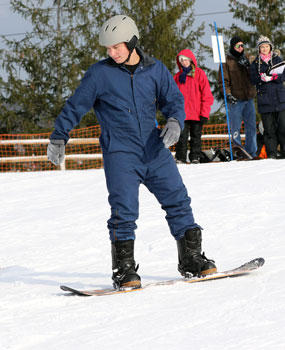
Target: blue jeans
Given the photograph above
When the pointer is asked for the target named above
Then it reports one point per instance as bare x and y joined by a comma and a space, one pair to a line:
244, 111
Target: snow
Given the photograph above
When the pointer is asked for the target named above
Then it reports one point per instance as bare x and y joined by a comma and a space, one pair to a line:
53, 232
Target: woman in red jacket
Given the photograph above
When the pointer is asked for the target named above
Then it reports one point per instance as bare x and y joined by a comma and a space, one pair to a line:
194, 85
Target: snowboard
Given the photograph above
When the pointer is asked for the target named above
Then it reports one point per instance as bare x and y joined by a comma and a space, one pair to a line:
239, 153
224, 154
242, 270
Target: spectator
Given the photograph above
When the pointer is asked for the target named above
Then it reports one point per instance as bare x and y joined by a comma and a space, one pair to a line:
270, 96
194, 85
240, 94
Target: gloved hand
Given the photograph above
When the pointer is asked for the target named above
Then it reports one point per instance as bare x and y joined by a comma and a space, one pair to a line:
266, 78
55, 151
203, 120
171, 132
231, 99
243, 61
274, 76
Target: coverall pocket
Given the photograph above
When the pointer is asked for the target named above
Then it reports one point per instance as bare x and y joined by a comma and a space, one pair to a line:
105, 140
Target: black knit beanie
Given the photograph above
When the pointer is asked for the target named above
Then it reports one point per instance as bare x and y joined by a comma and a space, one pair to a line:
235, 53
235, 40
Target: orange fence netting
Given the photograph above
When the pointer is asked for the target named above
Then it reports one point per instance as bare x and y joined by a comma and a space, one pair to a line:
27, 152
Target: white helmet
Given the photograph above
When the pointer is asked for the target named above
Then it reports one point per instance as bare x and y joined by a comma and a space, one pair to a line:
119, 29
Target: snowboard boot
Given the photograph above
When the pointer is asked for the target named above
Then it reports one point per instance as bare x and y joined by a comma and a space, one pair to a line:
191, 261
124, 266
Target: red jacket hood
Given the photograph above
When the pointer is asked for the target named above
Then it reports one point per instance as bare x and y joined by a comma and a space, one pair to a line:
187, 53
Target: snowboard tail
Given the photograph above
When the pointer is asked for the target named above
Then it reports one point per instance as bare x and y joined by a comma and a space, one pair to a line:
242, 270
239, 153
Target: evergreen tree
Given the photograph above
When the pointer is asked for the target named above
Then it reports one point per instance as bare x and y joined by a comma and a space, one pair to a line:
165, 27
46, 65
264, 17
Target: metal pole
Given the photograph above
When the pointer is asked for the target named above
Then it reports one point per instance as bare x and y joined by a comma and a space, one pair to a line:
224, 89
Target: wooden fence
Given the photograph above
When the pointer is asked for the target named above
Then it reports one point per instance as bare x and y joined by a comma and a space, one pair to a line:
27, 152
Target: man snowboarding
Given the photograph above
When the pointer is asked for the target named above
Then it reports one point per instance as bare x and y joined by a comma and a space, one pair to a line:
125, 91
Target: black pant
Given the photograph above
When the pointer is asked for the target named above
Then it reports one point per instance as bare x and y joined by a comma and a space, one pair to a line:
260, 143
274, 132
194, 128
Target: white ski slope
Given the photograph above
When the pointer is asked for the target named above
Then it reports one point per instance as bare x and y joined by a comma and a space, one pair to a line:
53, 232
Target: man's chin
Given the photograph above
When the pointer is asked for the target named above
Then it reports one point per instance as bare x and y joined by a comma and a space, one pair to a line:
118, 61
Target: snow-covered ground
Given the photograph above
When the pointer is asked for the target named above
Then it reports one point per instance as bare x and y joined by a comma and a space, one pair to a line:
53, 232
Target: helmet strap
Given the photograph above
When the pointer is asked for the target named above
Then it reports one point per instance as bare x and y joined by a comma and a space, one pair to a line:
131, 45
129, 56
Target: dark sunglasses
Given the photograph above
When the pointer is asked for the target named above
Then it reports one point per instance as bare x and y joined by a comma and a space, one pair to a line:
238, 46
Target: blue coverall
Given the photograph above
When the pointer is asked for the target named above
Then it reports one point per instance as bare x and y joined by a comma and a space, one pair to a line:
125, 105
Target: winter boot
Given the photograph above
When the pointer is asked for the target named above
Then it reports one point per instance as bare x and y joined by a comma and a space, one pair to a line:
191, 261
124, 266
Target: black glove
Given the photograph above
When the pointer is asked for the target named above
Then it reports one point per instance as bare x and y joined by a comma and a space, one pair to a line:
231, 99
243, 61
203, 120
171, 132
55, 151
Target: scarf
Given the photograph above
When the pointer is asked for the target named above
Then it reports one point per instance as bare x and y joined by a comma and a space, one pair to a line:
265, 58
236, 53
185, 71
